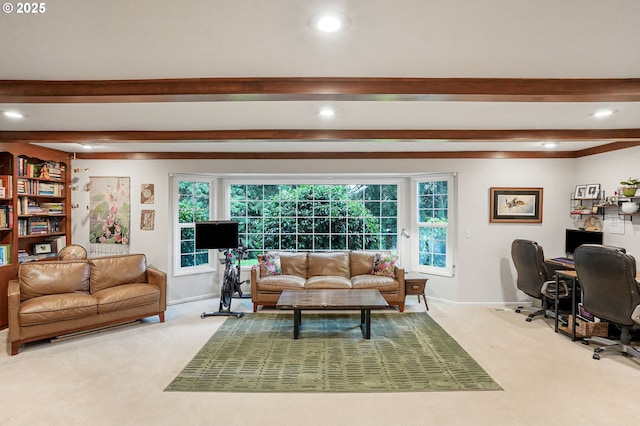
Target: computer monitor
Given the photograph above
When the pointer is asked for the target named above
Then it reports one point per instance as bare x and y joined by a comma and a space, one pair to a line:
576, 237
217, 234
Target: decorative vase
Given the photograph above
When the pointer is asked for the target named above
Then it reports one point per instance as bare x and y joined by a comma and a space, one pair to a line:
629, 191
630, 207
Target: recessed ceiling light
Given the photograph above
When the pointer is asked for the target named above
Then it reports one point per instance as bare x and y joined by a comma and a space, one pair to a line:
329, 22
327, 112
549, 145
603, 113
14, 115
87, 145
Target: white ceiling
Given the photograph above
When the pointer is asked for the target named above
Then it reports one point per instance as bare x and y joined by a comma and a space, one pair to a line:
147, 39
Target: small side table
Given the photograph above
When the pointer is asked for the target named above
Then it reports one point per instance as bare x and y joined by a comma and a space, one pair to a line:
414, 284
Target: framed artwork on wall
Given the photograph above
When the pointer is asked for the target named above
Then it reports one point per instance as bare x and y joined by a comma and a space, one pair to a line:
515, 205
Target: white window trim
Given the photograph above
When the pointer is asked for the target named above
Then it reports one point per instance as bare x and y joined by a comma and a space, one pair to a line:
448, 270
176, 226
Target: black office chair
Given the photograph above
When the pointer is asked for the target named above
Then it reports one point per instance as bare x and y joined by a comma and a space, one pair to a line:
610, 291
535, 277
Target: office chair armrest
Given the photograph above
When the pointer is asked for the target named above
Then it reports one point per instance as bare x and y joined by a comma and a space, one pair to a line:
635, 315
549, 289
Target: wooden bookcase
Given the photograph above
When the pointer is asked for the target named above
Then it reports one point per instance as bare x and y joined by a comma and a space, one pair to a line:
35, 211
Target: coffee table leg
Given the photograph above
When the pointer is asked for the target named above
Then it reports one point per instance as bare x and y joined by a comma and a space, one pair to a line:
297, 314
365, 322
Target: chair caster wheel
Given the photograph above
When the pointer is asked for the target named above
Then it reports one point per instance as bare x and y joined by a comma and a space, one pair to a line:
596, 356
518, 311
528, 319
586, 343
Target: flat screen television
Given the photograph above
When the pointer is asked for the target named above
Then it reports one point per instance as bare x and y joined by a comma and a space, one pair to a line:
217, 234
576, 237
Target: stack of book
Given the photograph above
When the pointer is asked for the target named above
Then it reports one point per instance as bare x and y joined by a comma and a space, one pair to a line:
38, 226
52, 208
55, 170
49, 188
29, 206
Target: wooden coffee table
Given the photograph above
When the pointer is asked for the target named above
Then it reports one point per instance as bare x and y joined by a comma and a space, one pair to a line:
332, 300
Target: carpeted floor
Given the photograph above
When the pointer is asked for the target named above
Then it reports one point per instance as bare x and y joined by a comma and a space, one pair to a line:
257, 353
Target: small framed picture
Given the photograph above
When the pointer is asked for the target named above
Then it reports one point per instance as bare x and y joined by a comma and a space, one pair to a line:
581, 192
593, 191
42, 248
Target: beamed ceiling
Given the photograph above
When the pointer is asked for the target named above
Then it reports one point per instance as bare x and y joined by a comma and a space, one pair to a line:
233, 80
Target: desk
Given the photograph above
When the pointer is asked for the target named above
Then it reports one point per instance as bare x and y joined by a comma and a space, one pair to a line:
573, 277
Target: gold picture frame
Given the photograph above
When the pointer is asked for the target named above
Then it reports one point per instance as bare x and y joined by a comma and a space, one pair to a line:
515, 205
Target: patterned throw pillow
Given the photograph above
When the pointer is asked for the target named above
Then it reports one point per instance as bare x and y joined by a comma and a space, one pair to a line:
269, 264
384, 264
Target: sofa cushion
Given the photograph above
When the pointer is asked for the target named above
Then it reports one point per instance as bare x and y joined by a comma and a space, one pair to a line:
381, 283
292, 263
126, 296
269, 264
362, 261
334, 263
280, 282
111, 271
327, 281
385, 265
57, 307
57, 277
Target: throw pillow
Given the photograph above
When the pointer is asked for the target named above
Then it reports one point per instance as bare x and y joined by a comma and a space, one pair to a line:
384, 264
269, 264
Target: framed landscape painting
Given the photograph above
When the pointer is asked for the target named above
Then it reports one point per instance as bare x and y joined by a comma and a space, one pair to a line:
515, 205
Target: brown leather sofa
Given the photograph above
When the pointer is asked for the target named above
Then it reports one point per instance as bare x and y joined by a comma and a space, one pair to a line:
50, 299
349, 270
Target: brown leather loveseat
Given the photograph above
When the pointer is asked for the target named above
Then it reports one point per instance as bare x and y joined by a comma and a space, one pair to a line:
348, 270
49, 299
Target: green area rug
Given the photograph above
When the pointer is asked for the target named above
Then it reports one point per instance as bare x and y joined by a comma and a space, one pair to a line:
408, 352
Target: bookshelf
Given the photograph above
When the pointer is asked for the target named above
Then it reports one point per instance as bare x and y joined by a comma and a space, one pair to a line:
35, 209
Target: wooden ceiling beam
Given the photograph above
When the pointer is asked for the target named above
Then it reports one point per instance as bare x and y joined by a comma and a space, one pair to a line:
317, 88
321, 155
311, 135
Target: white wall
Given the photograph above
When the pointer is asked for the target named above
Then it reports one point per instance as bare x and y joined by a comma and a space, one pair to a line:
608, 170
484, 271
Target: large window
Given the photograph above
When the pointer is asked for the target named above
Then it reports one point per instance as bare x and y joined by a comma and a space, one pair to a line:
194, 204
317, 214
433, 213
315, 217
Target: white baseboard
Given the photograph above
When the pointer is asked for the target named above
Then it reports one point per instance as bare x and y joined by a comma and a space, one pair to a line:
192, 299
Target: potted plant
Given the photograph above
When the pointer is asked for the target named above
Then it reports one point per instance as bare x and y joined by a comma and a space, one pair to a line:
629, 187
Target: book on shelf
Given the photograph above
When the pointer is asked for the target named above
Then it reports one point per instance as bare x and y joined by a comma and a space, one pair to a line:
58, 243
5, 254
52, 208
6, 186
37, 226
30, 206
6, 216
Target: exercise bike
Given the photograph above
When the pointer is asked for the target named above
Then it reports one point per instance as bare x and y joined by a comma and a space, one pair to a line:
231, 282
